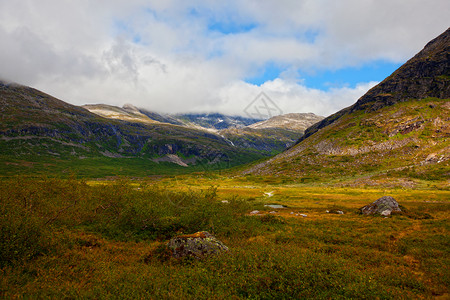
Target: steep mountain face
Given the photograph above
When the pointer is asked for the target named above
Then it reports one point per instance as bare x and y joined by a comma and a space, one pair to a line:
427, 74
400, 128
269, 140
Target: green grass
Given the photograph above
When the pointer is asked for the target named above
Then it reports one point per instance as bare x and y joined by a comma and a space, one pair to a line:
102, 166
99, 239
373, 143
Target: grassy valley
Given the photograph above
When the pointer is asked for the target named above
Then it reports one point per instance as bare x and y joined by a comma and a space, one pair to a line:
90, 239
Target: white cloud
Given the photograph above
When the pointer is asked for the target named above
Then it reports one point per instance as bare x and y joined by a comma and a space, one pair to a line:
160, 54
289, 96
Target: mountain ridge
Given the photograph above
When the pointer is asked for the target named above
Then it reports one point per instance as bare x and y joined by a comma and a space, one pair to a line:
38, 129
292, 121
398, 128
269, 136
395, 87
35, 126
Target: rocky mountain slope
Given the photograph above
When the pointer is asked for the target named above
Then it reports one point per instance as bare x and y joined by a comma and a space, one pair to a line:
400, 128
272, 135
265, 136
424, 75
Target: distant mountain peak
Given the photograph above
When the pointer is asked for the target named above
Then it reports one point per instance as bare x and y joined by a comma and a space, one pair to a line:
131, 108
291, 121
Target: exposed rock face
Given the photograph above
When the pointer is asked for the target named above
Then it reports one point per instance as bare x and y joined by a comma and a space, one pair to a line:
427, 74
383, 206
198, 245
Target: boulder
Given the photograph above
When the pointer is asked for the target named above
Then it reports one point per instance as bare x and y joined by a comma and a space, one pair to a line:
198, 245
383, 206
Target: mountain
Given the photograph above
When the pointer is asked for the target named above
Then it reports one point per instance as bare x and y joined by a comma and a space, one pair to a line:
268, 137
272, 135
398, 129
424, 75
205, 121
215, 120
270, 140
127, 113
293, 121
39, 133
163, 118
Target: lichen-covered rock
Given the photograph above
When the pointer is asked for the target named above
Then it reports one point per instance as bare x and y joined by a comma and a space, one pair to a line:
198, 245
383, 206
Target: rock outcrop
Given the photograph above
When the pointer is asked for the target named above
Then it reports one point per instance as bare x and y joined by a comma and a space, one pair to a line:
383, 206
198, 245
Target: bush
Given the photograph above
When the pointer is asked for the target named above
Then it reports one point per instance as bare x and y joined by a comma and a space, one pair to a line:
118, 210
31, 208
22, 231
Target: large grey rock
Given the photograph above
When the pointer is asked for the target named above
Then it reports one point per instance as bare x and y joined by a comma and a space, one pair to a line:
198, 245
383, 206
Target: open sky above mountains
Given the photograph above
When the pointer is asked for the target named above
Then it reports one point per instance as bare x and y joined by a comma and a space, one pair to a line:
183, 56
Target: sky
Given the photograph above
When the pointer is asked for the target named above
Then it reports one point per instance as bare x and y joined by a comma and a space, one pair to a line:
177, 56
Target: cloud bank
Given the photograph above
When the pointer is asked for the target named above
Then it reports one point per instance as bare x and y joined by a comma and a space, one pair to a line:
179, 56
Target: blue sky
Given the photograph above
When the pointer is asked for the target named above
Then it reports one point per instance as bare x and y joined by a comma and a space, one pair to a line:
213, 56
351, 76
326, 79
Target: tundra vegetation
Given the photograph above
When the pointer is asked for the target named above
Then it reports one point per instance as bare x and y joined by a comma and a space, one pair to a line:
78, 238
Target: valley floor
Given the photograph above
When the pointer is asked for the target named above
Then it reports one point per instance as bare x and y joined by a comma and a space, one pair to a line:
68, 238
